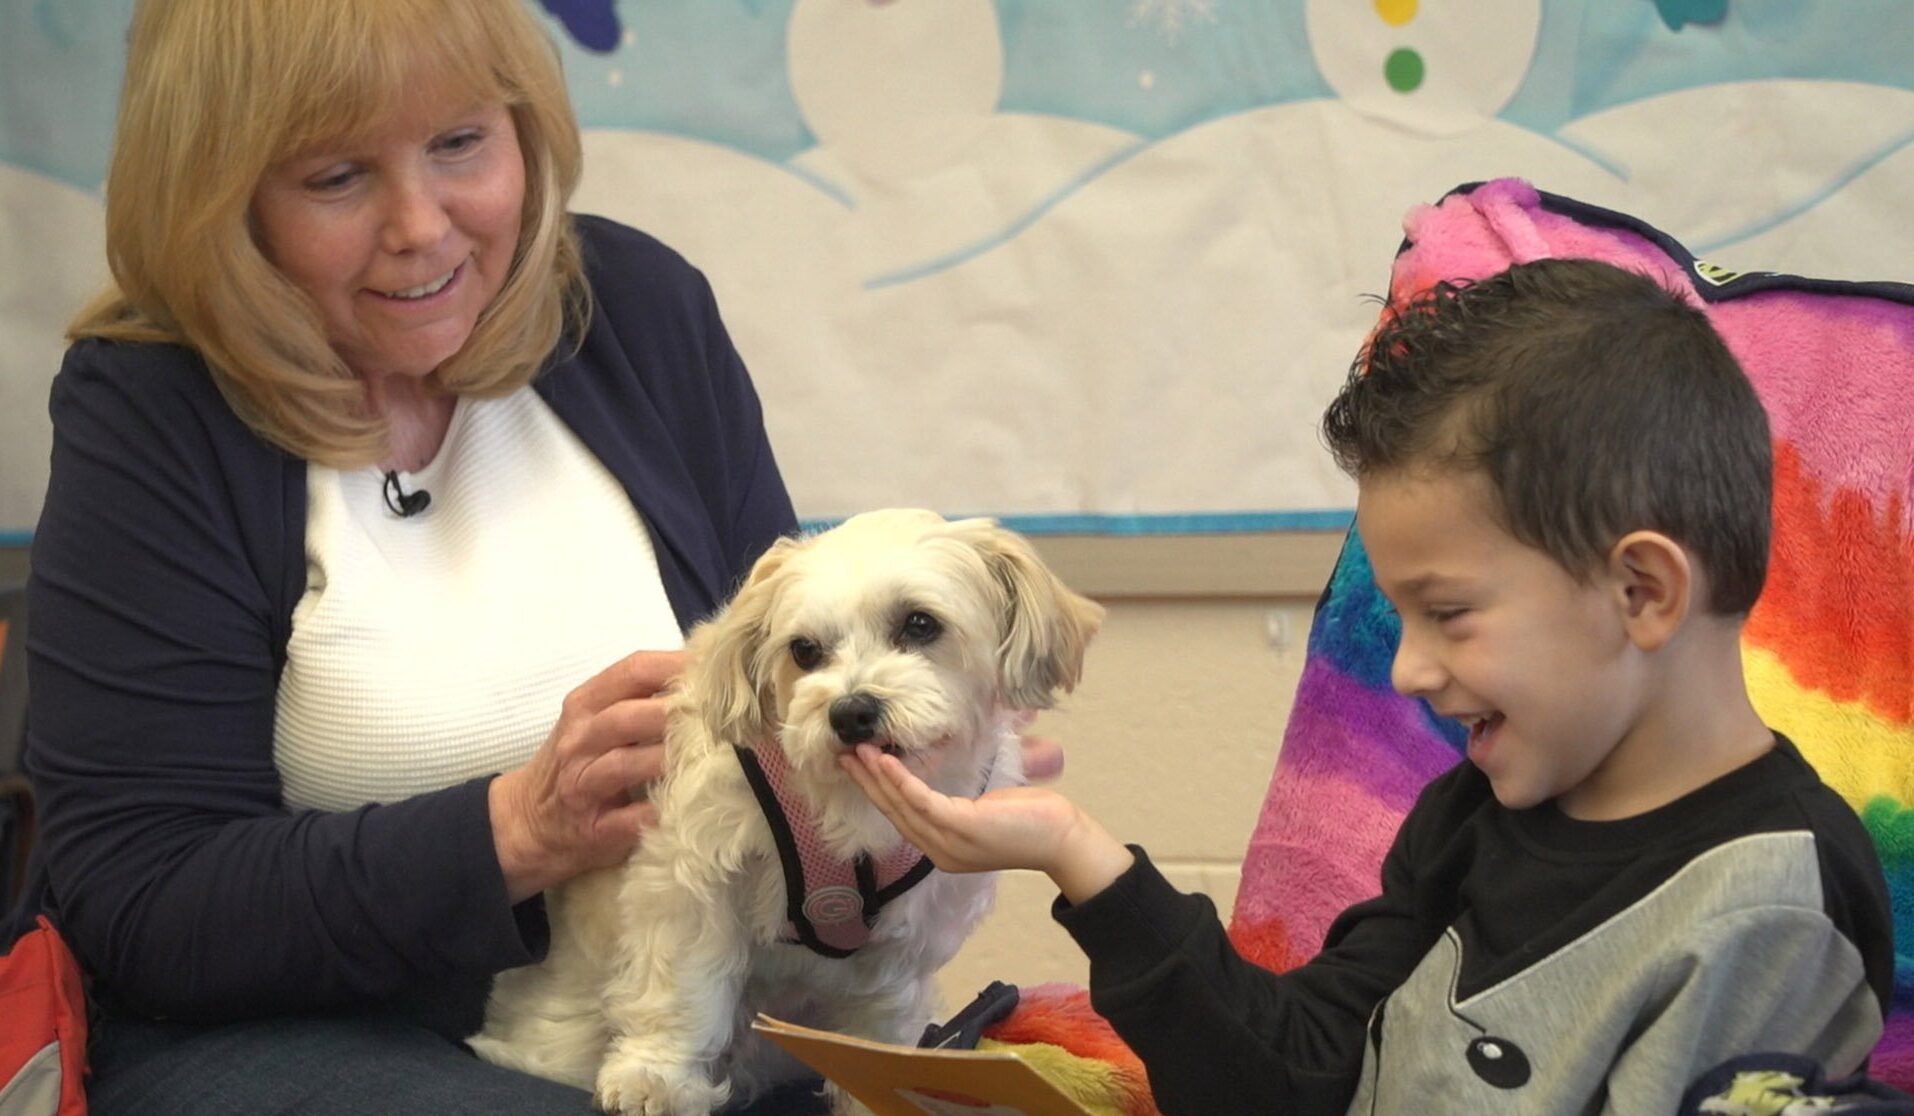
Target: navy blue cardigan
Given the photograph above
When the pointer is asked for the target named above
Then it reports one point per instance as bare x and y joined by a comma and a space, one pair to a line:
166, 565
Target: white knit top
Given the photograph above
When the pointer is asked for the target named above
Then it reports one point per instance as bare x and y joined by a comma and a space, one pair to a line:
431, 649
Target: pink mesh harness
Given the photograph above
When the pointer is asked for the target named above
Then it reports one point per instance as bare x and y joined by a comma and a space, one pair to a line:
830, 903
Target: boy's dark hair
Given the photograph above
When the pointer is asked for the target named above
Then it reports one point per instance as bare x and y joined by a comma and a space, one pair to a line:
1596, 401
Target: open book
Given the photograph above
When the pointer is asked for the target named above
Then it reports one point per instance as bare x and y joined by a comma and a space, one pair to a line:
919, 1081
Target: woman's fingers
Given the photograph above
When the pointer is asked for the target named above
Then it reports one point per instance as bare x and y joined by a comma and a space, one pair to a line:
642, 674
620, 771
627, 823
638, 721
1042, 758
580, 801
618, 748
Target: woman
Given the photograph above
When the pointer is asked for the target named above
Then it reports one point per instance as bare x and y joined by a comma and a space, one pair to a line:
367, 465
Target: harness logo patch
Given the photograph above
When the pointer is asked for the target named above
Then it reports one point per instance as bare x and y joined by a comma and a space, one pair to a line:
833, 906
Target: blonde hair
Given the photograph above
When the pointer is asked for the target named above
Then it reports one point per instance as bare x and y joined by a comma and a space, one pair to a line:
217, 92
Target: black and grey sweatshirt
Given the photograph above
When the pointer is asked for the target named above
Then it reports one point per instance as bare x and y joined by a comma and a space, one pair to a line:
1522, 961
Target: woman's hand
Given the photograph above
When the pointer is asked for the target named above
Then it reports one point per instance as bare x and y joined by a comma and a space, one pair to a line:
1042, 755
1044, 758
1012, 827
579, 802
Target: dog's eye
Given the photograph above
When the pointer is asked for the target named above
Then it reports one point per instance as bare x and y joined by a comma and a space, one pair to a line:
918, 629
806, 654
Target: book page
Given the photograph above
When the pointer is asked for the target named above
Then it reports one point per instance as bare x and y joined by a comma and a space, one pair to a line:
914, 1081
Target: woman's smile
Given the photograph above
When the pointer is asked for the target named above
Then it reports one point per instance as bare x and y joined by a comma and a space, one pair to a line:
423, 291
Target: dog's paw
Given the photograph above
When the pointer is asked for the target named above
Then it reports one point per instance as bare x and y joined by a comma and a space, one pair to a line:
492, 1050
567, 1063
632, 1086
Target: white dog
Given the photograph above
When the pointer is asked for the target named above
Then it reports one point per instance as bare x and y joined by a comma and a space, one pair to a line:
922, 636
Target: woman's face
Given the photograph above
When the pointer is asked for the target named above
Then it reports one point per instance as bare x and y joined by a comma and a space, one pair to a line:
401, 238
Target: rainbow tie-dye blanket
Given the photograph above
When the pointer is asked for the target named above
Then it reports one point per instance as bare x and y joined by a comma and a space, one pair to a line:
1829, 650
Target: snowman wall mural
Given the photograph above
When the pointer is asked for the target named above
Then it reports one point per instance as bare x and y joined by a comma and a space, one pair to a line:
1092, 266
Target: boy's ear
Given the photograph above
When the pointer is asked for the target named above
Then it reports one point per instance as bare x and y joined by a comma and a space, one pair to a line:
1654, 583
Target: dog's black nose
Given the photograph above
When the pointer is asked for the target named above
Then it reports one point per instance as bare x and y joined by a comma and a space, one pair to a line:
855, 718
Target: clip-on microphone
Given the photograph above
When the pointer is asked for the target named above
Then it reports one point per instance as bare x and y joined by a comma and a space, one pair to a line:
404, 504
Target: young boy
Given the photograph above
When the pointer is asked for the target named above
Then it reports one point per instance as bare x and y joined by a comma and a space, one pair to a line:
1564, 491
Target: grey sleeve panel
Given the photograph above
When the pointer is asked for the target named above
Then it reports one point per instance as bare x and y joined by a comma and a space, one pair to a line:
1733, 954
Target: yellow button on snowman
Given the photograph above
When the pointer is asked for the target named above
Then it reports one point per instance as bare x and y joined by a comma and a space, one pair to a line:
1438, 67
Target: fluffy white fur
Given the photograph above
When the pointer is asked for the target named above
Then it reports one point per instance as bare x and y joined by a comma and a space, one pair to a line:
657, 969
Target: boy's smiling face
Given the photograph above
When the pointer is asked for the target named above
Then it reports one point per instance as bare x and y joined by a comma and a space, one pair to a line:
1498, 635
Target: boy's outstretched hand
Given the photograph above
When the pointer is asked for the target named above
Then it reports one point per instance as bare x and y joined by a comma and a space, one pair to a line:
1013, 827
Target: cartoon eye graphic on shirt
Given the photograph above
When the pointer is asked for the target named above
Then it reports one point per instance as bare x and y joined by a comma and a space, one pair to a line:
1499, 1062
1495, 1060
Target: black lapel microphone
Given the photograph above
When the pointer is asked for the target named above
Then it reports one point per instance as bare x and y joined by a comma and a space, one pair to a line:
404, 504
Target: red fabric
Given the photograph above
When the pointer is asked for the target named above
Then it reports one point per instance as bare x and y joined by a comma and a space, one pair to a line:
1060, 1015
43, 1003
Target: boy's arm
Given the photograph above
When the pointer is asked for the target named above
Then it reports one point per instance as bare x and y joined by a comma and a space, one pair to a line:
1218, 1034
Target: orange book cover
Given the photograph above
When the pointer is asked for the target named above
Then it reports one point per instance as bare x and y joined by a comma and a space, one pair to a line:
916, 1081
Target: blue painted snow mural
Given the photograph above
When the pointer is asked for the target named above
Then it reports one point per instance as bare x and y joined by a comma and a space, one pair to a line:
1107, 256
592, 24
1677, 13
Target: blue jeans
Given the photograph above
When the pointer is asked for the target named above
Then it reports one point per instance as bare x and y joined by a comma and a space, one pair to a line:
319, 1065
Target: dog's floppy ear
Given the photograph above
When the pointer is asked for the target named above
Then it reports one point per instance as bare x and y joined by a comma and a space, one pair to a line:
1046, 625
723, 678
